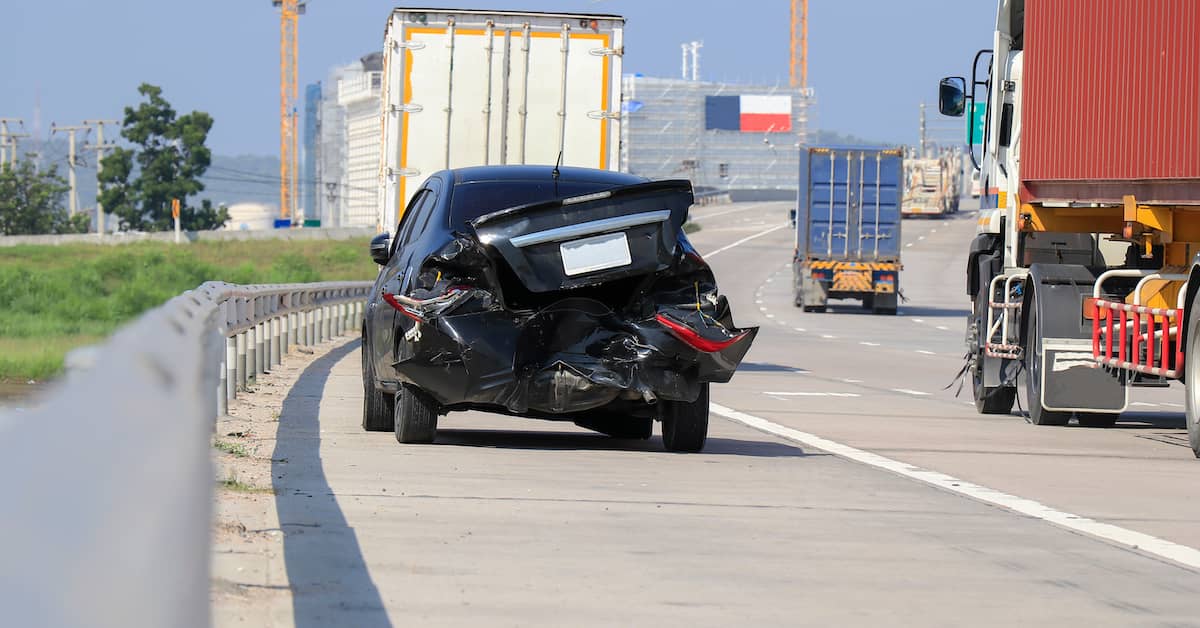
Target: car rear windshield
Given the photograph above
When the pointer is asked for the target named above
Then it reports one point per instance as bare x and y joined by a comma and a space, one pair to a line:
473, 199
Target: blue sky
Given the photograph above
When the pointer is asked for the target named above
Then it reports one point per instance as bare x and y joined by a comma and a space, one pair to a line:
870, 62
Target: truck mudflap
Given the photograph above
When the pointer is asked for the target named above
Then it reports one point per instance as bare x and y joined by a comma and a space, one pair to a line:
573, 355
1071, 381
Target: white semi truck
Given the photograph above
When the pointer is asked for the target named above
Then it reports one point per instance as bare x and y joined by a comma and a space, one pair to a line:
1085, 270
469, 88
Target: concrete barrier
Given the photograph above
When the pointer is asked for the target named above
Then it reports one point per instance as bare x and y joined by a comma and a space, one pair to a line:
106, 516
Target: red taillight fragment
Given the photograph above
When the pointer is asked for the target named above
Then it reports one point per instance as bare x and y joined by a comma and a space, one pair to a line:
695, 340
391, 300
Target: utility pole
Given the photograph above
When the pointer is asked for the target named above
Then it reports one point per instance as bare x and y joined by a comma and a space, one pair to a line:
73, 199
99, 147
12, 142
922, 155
4, 135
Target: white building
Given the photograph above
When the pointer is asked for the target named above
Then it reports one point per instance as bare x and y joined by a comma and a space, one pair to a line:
349, 148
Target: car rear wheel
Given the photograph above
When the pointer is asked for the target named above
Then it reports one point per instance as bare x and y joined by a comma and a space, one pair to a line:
377, 404
416, 416
685, 423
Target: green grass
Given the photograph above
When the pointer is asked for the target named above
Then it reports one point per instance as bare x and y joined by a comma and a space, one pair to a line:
234, 449
691, 227
232, 483
56, 298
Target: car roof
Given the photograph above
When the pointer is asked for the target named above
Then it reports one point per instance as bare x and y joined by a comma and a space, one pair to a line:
476, 174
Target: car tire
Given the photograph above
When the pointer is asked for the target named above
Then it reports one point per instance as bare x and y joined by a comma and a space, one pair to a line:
378, 406
416, 416
685, 423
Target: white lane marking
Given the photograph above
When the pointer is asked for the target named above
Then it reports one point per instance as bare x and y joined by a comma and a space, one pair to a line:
933, 231
918, 320
852, 381
799, 329
909, 244
758, 301
1143, 404
769, 315
743, 241
828, 337
869, 344
915, 393
943, 328
924, 352
812, 394
921, 238
1181, 554
715, 214
1173, 405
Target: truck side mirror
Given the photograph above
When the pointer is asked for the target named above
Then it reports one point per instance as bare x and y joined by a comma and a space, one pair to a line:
380, 248
952, 96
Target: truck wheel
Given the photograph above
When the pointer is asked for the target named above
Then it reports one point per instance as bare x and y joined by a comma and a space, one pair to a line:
1191, 376
685, 424
1033, 372
994, 399
377, 405
415, 417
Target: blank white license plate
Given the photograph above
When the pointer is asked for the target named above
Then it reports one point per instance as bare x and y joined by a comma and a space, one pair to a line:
598, 253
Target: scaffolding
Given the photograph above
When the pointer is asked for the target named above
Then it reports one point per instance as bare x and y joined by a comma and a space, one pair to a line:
664, 136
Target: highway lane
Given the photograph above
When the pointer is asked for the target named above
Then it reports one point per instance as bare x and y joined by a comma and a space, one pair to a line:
515, 522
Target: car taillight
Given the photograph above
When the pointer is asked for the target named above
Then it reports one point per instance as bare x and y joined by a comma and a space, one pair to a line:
693, 339
421, 310
391, 300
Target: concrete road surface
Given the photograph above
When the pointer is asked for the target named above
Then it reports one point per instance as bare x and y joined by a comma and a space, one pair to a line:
929, 514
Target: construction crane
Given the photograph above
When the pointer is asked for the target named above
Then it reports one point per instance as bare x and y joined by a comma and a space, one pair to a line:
289, 94
799, 60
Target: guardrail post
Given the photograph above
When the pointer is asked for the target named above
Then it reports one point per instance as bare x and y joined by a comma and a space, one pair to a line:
286, 323
310, 336
240, 381
231, 378
275, 337
330, 326
251, 354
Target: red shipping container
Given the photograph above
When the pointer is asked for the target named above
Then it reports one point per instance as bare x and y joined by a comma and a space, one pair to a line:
1111, 101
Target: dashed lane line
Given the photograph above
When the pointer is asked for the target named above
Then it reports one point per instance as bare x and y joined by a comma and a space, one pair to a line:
811, 394
869, 344
1181, 554
907, 391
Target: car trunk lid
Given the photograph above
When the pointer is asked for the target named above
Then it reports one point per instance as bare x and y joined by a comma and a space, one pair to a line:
584, 240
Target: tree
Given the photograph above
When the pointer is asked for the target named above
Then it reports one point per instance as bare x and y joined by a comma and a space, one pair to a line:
31, 202
170, 156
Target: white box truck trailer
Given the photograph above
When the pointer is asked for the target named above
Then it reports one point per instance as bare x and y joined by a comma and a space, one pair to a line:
470, 88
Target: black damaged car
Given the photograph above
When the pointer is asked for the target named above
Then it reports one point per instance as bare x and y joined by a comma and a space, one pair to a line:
552, 293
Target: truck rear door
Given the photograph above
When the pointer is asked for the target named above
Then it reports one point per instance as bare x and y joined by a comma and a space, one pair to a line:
468, 88
853, 198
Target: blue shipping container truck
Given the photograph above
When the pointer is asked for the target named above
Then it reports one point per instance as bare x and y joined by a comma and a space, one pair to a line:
848, 227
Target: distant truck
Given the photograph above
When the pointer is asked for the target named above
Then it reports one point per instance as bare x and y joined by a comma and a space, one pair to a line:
934, 186
848, 227
468, 88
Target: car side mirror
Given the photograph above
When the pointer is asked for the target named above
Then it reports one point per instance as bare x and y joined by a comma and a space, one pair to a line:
381, 248
952, 96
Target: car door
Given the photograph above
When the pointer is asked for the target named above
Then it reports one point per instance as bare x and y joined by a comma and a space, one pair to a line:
381, 317
398, 273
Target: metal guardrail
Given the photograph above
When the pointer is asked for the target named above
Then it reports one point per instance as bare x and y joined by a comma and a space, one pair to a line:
106, 516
